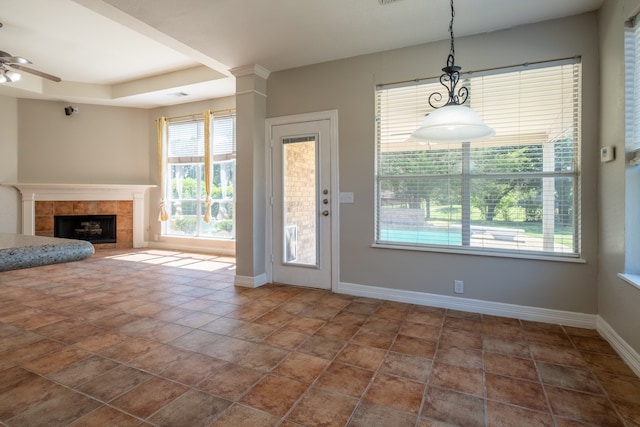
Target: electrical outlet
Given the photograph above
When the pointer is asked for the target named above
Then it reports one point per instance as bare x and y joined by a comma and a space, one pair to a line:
458, 286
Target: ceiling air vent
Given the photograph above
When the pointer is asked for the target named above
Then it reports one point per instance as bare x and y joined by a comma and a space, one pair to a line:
383, 2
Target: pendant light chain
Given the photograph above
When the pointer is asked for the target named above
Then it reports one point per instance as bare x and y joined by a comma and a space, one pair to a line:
451, 76
452, 50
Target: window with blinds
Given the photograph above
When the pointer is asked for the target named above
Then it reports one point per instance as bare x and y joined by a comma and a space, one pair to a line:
518, 191
632, 146
186, 193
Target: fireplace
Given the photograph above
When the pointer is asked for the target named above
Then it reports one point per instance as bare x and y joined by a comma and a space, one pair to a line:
41, 202
92, 228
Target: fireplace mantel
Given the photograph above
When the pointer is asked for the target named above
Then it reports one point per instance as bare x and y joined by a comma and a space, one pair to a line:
53, 192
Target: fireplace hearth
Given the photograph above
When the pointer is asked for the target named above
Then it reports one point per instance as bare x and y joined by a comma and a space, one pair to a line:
92, 228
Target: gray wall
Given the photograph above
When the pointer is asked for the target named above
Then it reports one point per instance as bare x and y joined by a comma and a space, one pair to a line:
618, 301
9, 196
348, 86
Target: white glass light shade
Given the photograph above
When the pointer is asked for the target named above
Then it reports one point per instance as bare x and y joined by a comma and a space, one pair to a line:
452, 123
12, 76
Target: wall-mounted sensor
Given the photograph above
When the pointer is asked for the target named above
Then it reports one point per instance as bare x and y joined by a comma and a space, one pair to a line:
607, 153
70, 110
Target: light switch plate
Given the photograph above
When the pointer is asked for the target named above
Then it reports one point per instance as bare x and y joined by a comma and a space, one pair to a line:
346, 197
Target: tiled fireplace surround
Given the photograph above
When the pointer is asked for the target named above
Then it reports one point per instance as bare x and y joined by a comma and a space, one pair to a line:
40, 202
45, 211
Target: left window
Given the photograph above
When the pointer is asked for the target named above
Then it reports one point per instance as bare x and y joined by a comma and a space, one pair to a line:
185, 173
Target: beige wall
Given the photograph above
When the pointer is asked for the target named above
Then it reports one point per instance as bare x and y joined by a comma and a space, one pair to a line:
9, 196
97, 145
348, 85
618, 302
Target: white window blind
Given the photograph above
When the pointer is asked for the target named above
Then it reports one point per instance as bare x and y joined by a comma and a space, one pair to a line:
186, 139
517, 191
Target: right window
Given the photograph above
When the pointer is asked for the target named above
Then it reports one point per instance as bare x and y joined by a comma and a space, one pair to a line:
517, 192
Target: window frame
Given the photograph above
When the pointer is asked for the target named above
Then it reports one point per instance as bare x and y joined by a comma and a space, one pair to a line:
467, 178
198, 162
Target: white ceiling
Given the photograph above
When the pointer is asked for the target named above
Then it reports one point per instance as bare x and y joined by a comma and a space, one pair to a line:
141, 53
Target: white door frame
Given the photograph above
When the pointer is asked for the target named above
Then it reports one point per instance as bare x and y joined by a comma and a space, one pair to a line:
334, 201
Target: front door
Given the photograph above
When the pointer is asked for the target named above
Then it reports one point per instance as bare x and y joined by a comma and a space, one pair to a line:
301, 203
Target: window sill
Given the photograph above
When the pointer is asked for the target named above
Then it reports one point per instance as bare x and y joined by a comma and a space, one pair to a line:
632, 279
450, 250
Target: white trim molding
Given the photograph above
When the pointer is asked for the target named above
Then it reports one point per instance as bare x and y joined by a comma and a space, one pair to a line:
628, 354
251, 282
567, 318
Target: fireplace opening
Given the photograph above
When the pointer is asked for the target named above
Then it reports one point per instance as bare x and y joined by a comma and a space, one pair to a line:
92, 228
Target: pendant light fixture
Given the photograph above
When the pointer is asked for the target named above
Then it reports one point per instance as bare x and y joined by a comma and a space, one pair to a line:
453, 121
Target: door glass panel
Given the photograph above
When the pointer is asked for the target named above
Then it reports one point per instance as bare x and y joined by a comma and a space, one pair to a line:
300, 201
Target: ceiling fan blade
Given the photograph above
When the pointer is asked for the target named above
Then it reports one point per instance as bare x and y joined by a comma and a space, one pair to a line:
7, 58
36, 72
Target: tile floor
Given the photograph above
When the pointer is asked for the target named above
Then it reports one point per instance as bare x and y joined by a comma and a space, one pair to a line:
164, 339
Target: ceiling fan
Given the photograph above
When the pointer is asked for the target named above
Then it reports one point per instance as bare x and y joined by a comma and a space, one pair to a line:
8, 61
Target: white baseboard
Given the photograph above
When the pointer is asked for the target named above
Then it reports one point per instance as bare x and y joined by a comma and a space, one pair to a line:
580, 320
251, 281
190, 248
628, 354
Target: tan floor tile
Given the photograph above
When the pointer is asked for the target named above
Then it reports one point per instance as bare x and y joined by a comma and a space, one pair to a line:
245, 416
231, 381
567, 377
275, 394
62, 408
80, 372
378, 339
129, 349
193, 408
320, 408
557, 355
414, 346
31, 351
395, 392
419, 330
407, 366
499, 414
460, 356
585, 407
54, 362
106, 416
326, 348
286, 339
149, 396
113, 383
370, 415
26, 393
454, 408
337, 330
301, 367
362, 356
527, 394
510, 366
345, 379
456, 378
